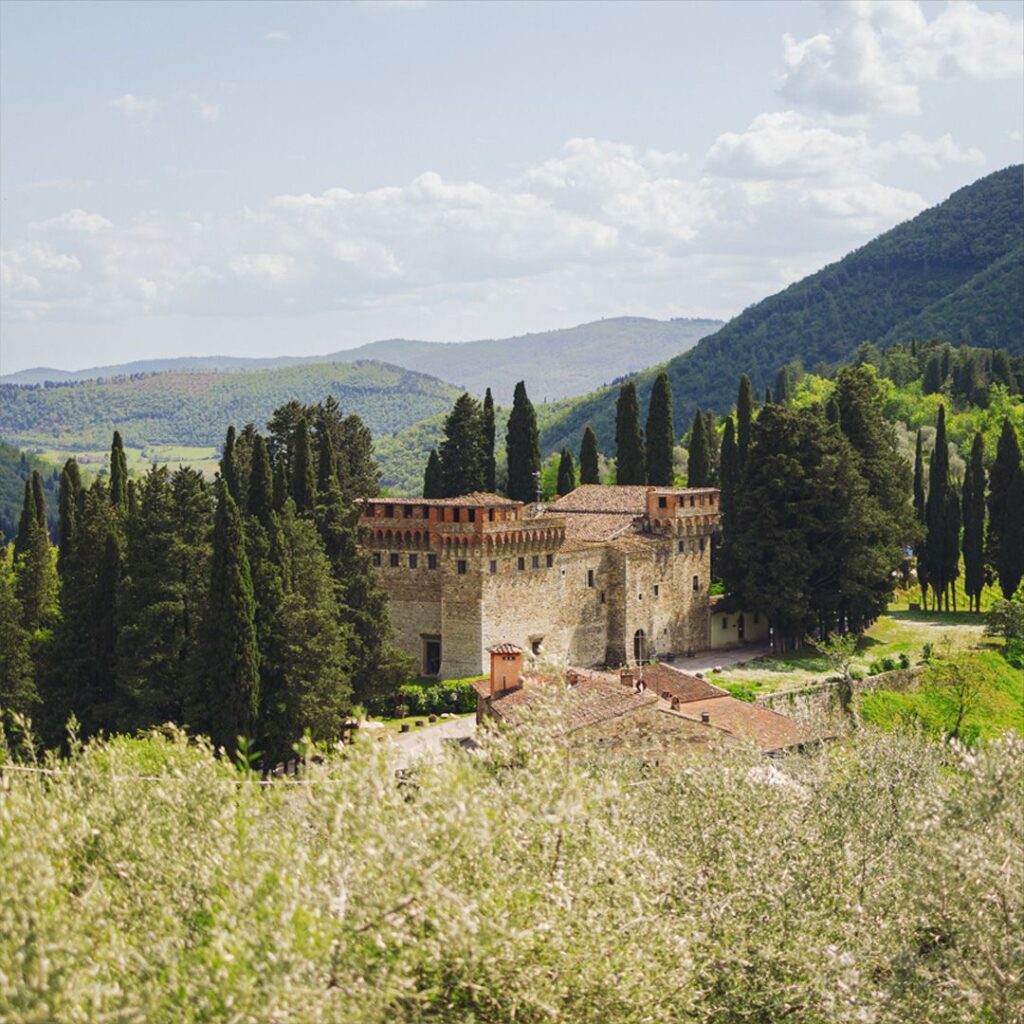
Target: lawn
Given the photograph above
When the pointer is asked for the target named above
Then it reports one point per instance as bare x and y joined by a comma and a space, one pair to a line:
92, 461
895, 633
395, 724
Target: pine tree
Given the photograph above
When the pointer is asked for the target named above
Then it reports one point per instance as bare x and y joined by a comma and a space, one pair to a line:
630, 458
590, 472
462, 451
490, 466
69, 504
1005, 518
303, 482
433, 477
974, 523
522, 444
697, 468
566, 473
118, 473
744, 419
260, 500
228, 470
660, 434
226, 697
17, 679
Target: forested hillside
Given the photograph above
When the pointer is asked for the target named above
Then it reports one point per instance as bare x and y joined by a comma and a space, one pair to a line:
192, 408
955, 272
555, 363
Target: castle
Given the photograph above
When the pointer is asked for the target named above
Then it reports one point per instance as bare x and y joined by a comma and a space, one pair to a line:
601, 576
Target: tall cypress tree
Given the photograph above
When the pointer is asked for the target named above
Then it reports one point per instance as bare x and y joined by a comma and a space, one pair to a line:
433, 477
590, 472
490, 466
226, 696
744, 419
303, 482
17, 678
522, 444
118, 473
660, 434
936, 510
920, 500
783, 386
630, 459
729, 474
566, 473
35, 577
1005, 516
260, 500
26, 522
463, 463
69, 503
280, 483
974, 523
228, 469
326, 471
698, 470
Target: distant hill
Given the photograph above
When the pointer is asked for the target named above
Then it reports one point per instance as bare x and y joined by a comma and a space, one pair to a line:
555, 364
196, 408
955, 272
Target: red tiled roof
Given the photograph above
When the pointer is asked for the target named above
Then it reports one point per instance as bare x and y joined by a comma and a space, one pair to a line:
477, 499
505, 648
590, 701
663, 679
590, 527
630, 499
768, 729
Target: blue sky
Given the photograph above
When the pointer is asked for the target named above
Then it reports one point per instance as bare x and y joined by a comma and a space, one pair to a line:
296, 178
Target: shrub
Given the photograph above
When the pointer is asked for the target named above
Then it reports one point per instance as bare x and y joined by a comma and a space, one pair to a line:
927, 651
904, 660
888, 664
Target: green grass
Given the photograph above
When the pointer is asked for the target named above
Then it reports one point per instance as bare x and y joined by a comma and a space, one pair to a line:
1000, 705
395, 724
92, 461
895, 633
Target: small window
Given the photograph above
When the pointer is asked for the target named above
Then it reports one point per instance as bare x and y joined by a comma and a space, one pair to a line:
590, 577
725, 623
657, 590
457, 515
493, 567
389, 511
471, 515
414, 561
662, 502
682, 546
602, 597
520, 563
431, 561
549, 561
460, 566
639, 597
535, 562
696, 583
490, 514
407, 511
703, 541
394, 559
376, 558
535, 645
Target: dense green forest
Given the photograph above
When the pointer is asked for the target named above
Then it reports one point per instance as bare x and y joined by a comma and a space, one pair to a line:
954, 272
15, 468
192, 408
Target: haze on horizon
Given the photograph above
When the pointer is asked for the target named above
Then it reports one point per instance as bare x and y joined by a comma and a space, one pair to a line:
292, 178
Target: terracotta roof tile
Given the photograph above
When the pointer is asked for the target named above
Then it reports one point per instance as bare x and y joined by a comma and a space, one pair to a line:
475, 500
604, 498
768, 729
590, 701
664, 679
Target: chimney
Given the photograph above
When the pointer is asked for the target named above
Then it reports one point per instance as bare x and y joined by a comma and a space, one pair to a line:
705, 717
626, 677
506, 668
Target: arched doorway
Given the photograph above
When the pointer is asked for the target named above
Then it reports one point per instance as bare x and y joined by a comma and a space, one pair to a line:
639, 647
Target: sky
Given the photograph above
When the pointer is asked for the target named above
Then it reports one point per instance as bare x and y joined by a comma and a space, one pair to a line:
291, 178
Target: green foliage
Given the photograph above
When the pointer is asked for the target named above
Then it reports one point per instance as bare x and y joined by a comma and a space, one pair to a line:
630, 458
462, 452
522, 448
973, 518
698, 462
452, 696
490, 465
15, 468
660, 434
118, 489
147, 879
18, 692
566, 473
1006, 620
589, 468
1006, 511
433, 477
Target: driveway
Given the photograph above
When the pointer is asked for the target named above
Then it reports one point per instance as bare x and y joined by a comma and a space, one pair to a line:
408, 747
705, 661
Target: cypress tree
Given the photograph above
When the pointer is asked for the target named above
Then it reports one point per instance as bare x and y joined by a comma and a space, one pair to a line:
133, 499
744, 418
358, 471
462, 450
39, 499
35, 576
783, 386
522, 443
630, 460
303, 482
17, 679
118, 473
433, 477
767, 396
936, 510
227, 692
729, 473
326, 472
660, 434
69, 502
280, 484
697, 467
260, 501
919, 512
26, 522
589, 467
1005, 516
228, 469
566, 473
490, 466
974, 523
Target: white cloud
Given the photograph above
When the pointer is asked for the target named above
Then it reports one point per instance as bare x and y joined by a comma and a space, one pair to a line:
207, 111
278, 36
877, 52
135, 108
74, 221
